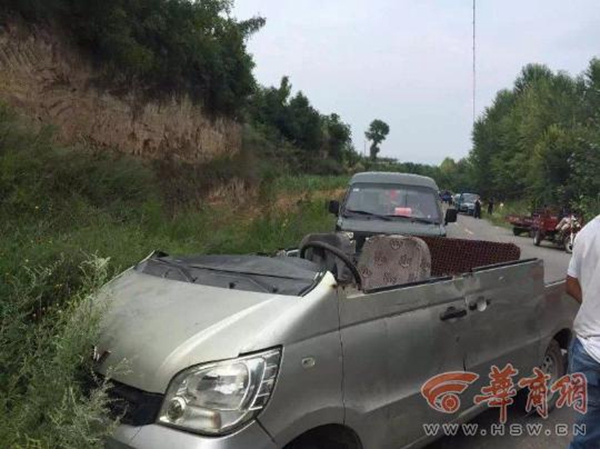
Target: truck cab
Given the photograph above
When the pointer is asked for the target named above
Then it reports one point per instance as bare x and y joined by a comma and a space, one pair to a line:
391, 203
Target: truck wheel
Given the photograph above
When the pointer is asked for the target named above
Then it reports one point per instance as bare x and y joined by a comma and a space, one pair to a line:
569, 247
537, 238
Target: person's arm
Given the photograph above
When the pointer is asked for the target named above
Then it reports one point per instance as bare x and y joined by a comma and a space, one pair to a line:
574, 289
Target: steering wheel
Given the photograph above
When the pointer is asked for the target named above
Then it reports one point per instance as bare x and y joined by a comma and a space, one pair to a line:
337, 253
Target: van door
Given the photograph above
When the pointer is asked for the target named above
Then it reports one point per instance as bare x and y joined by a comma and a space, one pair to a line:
505, 327
393, 342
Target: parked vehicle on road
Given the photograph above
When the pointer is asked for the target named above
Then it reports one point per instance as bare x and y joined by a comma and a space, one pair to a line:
391, 203
466, 203
455, 198
328, 349
560, 231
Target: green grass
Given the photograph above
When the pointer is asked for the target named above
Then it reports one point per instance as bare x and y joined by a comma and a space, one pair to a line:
310, 183
508, 208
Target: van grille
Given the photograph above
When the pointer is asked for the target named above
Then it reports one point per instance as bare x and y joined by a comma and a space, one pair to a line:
134, 407
129, 405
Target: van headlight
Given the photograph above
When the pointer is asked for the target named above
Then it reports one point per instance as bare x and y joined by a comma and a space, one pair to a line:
219, 397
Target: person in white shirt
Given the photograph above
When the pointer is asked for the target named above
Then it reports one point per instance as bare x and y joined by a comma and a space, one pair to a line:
583, 284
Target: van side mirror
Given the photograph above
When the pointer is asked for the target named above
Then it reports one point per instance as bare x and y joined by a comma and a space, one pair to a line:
451, 216
334, 207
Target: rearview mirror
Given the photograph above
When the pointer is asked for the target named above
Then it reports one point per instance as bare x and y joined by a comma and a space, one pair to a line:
451, 216
334, 207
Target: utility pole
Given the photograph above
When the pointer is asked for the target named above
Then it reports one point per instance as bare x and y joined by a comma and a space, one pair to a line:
474, 60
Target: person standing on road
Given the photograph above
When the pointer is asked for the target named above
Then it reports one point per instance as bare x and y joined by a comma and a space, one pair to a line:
491, 206
477, 211
583, 284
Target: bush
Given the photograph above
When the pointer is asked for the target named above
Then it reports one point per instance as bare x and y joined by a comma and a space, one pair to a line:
45, 359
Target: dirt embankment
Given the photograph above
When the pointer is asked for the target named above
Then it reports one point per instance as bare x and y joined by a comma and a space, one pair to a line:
49, 80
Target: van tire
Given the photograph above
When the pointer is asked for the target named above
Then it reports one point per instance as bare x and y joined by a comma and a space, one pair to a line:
555, 353
553, 361
327, 437
317, 445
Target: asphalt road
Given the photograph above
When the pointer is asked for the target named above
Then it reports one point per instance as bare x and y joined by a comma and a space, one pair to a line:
555, 262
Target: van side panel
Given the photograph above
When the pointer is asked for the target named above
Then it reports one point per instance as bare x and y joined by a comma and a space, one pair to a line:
558, 313
394, 342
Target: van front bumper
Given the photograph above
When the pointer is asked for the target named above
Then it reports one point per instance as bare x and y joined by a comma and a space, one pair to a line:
160, 437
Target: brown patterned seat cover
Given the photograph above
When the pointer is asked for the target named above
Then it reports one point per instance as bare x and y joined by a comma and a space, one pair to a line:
388, 260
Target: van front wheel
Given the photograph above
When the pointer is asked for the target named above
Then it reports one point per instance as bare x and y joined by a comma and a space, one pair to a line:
327, 437
318, 445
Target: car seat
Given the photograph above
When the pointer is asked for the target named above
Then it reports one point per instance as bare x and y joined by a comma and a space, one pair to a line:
388, 260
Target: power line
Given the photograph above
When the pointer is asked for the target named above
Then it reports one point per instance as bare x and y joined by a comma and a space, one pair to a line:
474, 60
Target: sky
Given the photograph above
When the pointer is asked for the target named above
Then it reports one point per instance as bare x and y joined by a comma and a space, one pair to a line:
409, 62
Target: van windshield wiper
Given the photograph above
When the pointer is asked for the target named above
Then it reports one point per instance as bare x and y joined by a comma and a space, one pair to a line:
173, 264
368, 214
416, 219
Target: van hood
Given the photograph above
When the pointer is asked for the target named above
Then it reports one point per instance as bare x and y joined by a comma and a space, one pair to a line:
153, 327
367, 227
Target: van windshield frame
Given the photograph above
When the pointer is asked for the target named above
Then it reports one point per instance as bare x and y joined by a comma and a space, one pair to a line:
391, 200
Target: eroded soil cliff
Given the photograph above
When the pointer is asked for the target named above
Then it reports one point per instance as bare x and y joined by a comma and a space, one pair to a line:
53, 83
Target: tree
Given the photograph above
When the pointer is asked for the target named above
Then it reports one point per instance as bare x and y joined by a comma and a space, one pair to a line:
376, 134
304, 124
293, 120
338, 137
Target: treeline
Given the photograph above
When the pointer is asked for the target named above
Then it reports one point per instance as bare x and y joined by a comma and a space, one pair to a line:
289, 128
539, 140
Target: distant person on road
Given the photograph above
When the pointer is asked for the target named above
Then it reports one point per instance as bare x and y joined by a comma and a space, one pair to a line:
477, 211
491, 206
583, 284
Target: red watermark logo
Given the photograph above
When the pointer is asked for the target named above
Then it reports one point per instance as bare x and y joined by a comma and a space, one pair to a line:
442, 392
538, 392
501, 391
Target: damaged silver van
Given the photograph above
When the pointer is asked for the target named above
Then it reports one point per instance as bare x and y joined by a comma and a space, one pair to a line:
330, 349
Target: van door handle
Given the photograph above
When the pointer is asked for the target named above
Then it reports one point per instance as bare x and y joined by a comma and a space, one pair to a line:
480, 304
453, 312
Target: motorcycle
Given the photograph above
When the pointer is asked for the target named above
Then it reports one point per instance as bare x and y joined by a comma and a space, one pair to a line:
567, 232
